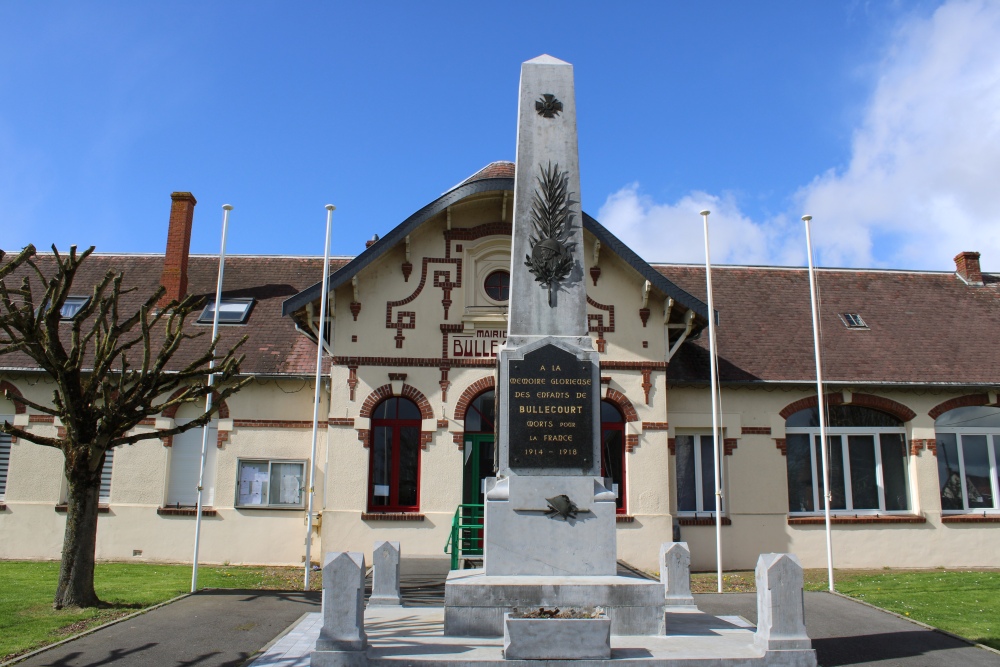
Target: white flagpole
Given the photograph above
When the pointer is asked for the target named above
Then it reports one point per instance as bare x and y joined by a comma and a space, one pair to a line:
226, 208
822, 405
715, 406
330, 208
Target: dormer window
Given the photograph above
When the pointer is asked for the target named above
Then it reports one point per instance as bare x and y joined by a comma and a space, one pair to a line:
853, 321
232, 311
72, 306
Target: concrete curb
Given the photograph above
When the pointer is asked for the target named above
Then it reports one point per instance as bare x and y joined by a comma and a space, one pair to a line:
21, 658
267, 647
911, 620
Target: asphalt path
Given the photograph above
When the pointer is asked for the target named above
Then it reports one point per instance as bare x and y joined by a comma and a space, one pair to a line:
227, 628
845, 632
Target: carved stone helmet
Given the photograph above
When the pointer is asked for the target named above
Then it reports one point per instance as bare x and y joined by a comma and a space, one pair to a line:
546, 250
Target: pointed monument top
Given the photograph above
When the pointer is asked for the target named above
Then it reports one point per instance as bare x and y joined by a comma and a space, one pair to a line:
546, 59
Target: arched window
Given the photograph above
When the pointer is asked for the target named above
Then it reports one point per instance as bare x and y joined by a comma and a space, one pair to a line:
867, 461
968, 448
479, 418
394, 470
613, 450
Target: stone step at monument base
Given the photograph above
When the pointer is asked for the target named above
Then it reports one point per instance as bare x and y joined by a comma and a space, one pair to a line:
413, 636
476, 602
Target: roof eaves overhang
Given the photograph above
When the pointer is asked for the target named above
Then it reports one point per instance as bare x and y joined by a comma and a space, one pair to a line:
400, 232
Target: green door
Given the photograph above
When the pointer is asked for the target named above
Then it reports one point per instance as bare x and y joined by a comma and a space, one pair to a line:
478, 466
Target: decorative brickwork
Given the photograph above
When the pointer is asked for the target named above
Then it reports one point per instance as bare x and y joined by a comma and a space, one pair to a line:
755, 430
782, 445
728, 445
391, 516
923, 443
966, 401
171, 412
13, 393
470, 394
644, 316
880, 403
276, 423
352, 380
41, 419
458, 439
444, 383
621, 401
442, 423
647, 383
407, 270
595, 322
355, 309
702, 521
856, 519
624, 518
363, 437
397, 377
970, 518
63, 508
385, 391
672, 446
631, 442
341, 421
185, 511
655, 426
437, 362
595, 273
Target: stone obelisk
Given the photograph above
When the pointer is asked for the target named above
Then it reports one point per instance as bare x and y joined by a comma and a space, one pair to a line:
550, 521
548, 513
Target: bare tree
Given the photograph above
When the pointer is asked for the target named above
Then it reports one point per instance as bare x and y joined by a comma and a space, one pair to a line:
111, 371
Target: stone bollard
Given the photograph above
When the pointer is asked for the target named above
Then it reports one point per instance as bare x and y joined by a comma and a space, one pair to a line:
385, 575
780, 604
675, 573
342, 641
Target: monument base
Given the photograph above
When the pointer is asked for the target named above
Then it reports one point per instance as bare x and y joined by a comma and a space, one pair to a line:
475, 603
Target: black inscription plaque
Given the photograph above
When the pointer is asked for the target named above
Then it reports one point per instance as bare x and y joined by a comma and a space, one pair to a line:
551, 415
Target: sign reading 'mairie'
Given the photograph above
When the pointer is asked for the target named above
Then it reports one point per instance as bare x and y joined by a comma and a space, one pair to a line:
551, 410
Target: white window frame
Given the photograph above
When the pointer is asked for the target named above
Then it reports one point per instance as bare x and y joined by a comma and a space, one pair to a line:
817, 481
104, 494
992, 437
211, 464
303, 484
698, 472
208, 312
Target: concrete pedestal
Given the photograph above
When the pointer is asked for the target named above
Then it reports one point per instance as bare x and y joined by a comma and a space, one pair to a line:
475, 602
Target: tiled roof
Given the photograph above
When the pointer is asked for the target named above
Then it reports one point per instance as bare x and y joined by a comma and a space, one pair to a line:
923, 327
492, 170
273, 346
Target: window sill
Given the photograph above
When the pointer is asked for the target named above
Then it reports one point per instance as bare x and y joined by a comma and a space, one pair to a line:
3, 507
391, 516
856, 519
279, 508
185, 511
970, 518
624, 518
701, 521
62, 508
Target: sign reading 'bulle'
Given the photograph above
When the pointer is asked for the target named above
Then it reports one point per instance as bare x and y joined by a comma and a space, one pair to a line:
551, 410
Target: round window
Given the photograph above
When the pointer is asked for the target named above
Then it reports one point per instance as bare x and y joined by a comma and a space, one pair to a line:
497, 286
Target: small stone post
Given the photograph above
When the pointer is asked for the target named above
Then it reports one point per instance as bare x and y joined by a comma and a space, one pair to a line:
342, 641
780, 604
675, 573
385, 575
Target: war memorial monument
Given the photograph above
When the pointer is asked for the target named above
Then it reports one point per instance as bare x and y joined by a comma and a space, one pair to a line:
549, 515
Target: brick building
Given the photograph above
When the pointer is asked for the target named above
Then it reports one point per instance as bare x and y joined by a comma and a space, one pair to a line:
417, 320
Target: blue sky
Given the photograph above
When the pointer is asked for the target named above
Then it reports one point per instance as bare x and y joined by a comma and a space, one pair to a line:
880, 119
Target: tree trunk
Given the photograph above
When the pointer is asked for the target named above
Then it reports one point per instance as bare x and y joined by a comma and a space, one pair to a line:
76, 572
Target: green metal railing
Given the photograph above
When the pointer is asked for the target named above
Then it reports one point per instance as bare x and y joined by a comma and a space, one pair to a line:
466, 538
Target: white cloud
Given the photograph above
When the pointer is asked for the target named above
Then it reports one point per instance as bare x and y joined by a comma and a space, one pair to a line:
922, 184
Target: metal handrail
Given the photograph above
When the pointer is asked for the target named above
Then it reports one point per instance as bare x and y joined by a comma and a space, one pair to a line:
466, 530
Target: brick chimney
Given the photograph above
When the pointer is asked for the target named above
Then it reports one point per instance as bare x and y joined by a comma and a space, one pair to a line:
175, 262
967, 267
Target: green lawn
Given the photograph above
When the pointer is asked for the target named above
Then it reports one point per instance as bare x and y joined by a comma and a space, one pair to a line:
27, 620
964, 602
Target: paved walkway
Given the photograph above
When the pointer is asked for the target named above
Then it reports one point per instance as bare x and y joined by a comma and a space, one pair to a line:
229, 628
